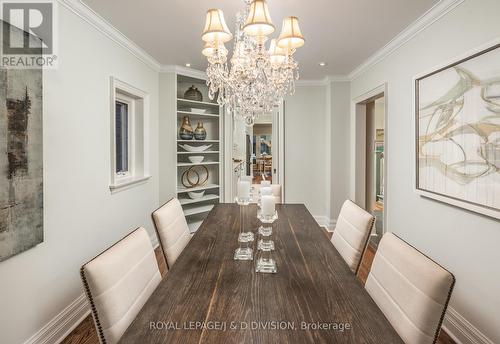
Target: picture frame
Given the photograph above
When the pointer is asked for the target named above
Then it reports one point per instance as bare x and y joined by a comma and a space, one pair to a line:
457, 132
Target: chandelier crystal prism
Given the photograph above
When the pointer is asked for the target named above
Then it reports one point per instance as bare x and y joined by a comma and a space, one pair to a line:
255, 79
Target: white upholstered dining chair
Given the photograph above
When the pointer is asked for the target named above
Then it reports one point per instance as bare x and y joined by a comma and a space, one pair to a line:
172, 229
351, 233
411, 290
118, 282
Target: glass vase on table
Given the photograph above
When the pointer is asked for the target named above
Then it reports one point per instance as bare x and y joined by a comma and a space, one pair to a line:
245, 237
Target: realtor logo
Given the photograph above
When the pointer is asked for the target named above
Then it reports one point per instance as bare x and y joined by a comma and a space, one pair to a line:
28, 34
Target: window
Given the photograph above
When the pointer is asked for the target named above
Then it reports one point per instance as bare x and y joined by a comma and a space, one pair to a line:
129, 145
122, 137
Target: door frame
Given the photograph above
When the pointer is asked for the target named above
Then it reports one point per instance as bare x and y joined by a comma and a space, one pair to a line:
279, 137
279, 117
357, 189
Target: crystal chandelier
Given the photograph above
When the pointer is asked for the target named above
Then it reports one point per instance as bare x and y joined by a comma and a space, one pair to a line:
255, 79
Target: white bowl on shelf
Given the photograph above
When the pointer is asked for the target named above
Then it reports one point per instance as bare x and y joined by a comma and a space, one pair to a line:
190, 148
196, 159
198, 111
196, 195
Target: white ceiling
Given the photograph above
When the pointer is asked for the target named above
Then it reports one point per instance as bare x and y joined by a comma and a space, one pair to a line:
342, 33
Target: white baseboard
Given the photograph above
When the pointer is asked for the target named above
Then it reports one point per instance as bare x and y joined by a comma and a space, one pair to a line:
461, 330
333, 223
325, 221
62, 324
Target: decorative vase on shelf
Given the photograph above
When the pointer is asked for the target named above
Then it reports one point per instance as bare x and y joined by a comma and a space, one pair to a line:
193, 94
200, 133
186, 131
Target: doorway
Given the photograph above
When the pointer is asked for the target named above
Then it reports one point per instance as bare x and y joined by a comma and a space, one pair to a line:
261, 153
375, 129
369, 158
257, 151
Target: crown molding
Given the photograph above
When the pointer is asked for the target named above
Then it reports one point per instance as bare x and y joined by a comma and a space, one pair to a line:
426, 20
338, 78
322, 82
311, 82
195, 73
103, 26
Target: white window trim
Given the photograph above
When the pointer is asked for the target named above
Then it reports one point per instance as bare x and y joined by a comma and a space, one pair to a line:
126, 93
127, 176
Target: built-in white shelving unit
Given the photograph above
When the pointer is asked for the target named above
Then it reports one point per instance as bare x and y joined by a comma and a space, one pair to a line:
203, 105
198, 115
186, 201
204, 141
197, 163
182, 189
196, 209
201, 153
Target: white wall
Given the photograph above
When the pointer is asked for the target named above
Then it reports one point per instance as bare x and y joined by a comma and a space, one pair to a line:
307, 149
81, 216
168, 135
339, 160
317, 151
464, 242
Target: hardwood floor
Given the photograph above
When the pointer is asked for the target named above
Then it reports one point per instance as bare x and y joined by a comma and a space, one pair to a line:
257, 178
85, 333
366, 263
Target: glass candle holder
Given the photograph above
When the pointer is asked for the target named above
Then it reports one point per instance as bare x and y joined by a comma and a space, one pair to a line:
265, 242
265, 261
242, 200
245, 238
265, 248
267, 218
265, 230
244, 251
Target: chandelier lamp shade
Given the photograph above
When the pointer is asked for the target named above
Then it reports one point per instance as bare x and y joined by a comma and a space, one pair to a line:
258, 23
254, 79
216, 29
291, 38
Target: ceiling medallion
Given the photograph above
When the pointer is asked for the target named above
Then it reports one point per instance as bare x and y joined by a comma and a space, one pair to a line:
255, 79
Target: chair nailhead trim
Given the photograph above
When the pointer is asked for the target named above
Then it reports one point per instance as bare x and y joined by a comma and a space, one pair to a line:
92, 306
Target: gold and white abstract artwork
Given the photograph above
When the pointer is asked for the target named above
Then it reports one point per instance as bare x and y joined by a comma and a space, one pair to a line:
458, 133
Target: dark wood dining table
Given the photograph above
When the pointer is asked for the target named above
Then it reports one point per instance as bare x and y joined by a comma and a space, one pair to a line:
207, 297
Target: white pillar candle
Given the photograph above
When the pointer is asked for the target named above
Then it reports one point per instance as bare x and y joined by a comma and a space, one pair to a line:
268, 205
266, 191
243, 189
265, 183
